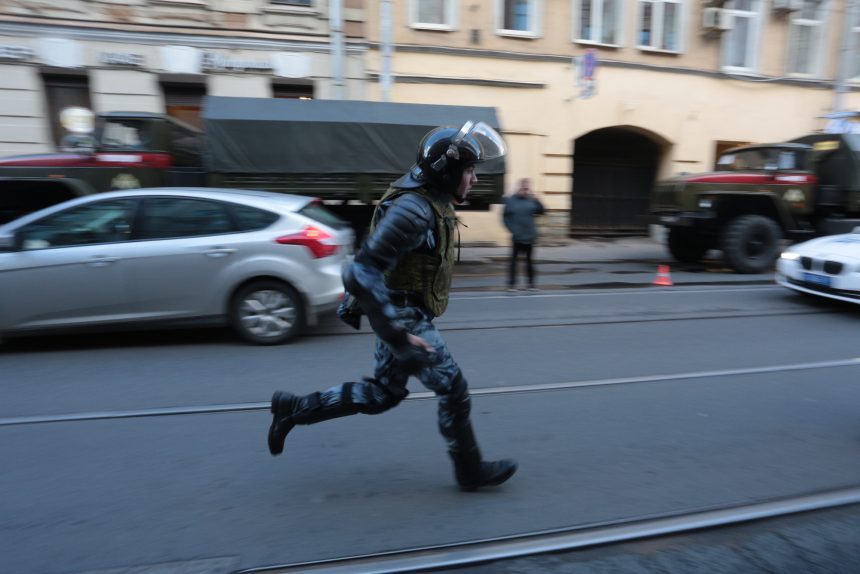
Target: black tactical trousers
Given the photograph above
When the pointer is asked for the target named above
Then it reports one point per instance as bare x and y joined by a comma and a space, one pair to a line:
388, 386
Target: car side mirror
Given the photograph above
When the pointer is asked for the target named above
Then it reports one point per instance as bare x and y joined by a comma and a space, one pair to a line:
8, 242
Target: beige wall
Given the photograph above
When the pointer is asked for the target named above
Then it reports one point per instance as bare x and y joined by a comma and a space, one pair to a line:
21, 111
125, 90
556, 35
685, 113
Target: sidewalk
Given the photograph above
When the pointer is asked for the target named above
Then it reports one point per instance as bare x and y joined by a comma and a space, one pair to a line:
595, 263
578, 250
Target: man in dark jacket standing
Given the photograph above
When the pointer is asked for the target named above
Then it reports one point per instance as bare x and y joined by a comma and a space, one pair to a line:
519, 217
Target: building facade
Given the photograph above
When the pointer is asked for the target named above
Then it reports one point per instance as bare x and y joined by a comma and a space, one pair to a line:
597, 98
163, 56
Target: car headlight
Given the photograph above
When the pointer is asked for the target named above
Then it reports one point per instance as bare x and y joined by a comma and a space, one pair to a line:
789, 256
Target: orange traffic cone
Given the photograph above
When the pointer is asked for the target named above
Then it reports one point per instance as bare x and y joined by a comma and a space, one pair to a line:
663, 278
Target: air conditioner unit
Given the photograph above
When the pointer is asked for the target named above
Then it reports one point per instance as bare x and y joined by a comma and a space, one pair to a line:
716, 20
787, 5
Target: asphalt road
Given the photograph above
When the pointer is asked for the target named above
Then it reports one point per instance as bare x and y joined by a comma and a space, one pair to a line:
672, 399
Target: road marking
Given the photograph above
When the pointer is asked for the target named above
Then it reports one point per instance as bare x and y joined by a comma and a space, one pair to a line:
543, 387
641, 291
202, 566
564, 539
652, 378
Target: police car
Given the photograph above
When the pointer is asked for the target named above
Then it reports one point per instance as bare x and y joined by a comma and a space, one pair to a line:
826, 266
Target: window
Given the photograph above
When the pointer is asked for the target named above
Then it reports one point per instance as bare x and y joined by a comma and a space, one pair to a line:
740, 44
517, 16
184, 101
306, 3
723, 146
805, 38
318, 212
292, 91
660, 25
98, 222
600, 21
125, 134
170, 217
64, 92
251, 218
761, 159
432, 14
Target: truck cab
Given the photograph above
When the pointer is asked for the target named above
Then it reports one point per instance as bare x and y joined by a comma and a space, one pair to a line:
758, 195
126, 150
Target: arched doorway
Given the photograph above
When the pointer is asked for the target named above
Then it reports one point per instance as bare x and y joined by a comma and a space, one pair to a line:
614, 171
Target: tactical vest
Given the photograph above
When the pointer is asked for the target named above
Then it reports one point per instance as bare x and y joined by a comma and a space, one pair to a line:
426, 273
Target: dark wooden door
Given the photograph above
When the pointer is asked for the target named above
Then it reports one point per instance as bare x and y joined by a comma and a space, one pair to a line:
614, 171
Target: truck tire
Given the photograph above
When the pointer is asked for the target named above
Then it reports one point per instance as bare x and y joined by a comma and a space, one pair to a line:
686, 245
751, 243
267, 312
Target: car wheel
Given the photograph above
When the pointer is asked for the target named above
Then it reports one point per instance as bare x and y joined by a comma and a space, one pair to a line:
267, 313
686, 246
751, 243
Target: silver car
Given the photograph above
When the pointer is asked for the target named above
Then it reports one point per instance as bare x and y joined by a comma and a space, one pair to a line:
265, 263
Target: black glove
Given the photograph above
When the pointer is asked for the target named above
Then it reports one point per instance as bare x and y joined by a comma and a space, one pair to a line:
350, 312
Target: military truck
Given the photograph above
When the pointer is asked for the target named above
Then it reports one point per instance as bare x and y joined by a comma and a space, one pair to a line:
343, 152
759, 195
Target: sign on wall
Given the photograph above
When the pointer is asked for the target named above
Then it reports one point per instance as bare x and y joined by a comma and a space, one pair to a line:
121, 59
16, 53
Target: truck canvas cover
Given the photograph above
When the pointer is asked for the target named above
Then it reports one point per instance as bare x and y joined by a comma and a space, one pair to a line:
278, 136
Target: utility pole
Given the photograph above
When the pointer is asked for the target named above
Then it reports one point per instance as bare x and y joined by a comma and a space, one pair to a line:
387, 48
337, 55
848, 53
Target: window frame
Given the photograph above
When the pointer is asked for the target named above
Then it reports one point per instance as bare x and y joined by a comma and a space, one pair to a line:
597, 30
60, 91
752, 51
819, 29
300, 4
535, 9
451, 7
658, 6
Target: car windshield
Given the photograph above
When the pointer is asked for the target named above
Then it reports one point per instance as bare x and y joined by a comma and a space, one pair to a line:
760, 159
125, 134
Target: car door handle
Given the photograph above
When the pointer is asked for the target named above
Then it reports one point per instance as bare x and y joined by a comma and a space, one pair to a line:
219, 251
102, 261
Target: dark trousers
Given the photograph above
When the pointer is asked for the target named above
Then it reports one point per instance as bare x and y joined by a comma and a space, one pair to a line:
526, 249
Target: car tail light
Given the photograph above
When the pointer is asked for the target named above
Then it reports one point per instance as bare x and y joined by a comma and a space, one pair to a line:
312, 238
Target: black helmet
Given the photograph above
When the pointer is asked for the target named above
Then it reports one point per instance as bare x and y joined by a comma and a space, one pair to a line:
445, 152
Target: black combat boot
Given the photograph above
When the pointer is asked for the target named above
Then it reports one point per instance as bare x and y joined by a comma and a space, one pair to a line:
472, 473
284, 405
288, 410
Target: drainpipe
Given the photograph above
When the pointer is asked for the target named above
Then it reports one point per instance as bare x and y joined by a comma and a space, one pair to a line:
337, 53
387, 48
846, 55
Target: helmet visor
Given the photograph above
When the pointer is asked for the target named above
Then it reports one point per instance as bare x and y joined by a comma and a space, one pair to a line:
490, 144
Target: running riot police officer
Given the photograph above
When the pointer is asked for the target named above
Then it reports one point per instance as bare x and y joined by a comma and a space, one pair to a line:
400, 279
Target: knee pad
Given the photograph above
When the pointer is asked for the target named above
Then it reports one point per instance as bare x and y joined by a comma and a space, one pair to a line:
381, 398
